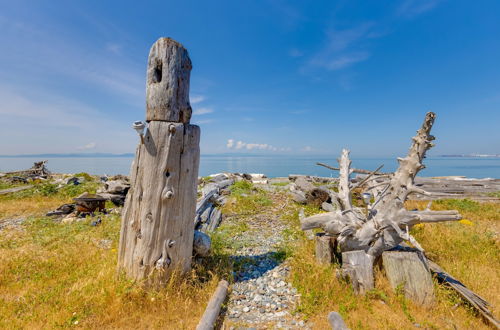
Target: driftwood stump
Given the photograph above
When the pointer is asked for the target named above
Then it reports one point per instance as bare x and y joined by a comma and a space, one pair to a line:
409, 270
157, 222
325, 248
357, 266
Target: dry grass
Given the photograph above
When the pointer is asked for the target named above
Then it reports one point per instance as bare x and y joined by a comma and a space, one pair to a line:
469, 252
55, 275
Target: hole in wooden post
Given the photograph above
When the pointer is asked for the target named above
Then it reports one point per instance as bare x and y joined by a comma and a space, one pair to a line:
167, 174
157, 73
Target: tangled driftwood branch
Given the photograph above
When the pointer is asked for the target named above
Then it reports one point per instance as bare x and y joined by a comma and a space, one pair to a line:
387, 222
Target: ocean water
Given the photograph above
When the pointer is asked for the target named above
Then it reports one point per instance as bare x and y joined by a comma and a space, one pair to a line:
272, 166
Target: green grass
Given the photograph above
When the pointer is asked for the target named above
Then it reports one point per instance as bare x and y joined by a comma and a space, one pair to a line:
245, 199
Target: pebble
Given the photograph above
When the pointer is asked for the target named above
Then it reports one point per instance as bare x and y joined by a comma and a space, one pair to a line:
261, 294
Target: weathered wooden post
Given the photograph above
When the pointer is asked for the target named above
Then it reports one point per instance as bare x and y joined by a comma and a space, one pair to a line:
157, 229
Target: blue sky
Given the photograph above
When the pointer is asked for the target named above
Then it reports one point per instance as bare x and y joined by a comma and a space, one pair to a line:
291, 77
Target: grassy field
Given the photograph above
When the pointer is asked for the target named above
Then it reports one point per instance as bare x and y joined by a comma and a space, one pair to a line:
468, 249
55, 275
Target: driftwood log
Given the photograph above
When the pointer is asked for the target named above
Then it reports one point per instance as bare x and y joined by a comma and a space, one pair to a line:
212, 311
386, 223
157, 229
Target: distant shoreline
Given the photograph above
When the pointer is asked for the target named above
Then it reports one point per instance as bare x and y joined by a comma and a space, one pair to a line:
128, 155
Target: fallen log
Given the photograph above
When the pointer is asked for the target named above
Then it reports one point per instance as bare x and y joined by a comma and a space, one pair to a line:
15, 189
211, 314
479, 303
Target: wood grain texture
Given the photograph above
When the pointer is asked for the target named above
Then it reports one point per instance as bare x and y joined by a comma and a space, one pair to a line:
409, 270
324, 248
157, 221
167, 89
386, 222
358, 267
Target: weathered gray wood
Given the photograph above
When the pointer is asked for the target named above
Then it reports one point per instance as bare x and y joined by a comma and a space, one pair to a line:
15, 189
212, 311
201, 244
325, 252
386, 222
358, 267
408, 269
167, 90
157, 227
479, 303
336, 321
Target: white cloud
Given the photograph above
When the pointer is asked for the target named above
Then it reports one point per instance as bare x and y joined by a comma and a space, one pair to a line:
307, 148
88, 146
202, 111
240, 145
196, 99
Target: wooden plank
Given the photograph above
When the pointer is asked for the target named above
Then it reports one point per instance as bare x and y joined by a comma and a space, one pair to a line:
212, 311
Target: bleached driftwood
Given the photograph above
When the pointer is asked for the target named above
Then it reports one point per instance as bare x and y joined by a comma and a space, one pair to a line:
336, 321
387, 222
212, 311
325, 248
410, 270
479, 303
157, 228
357, 266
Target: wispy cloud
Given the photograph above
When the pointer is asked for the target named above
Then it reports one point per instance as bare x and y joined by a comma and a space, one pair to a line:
294, 52
307, 149
203, 121
202, 111
343, 48
56, 54
299, 112
196, 99
114, 48
39, 123
412, 8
